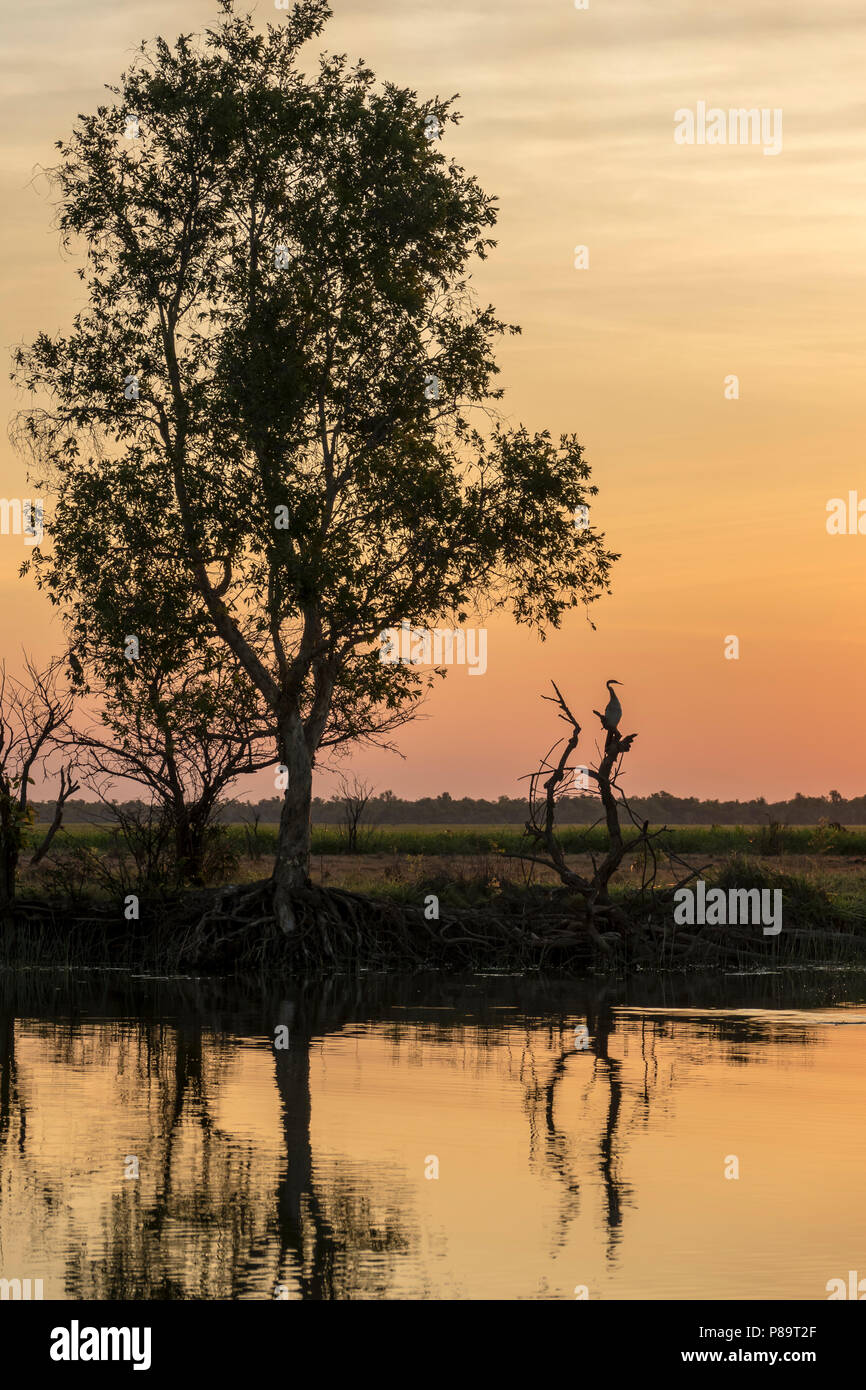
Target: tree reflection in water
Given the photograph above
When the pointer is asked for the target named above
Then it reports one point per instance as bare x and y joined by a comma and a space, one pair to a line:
217, 1216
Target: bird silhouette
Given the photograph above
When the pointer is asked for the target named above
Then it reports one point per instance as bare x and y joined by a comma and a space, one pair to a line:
613, 712
619, 743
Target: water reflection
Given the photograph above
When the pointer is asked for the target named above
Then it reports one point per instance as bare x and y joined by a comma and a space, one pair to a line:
304, 1172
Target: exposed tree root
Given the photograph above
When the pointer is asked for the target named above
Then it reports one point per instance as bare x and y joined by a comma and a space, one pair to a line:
236, 927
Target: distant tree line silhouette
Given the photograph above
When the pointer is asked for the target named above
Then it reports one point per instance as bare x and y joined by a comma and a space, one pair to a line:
658, 808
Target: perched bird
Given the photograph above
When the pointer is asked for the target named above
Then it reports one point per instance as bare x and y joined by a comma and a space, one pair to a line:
619, 743
613, 712
76, 667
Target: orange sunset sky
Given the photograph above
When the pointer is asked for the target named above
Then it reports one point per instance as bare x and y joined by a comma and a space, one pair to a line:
704, 261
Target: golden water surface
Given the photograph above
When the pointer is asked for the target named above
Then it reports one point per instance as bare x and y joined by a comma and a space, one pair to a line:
432, 1138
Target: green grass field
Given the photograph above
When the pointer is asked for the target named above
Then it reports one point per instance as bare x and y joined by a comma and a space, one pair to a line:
490, 839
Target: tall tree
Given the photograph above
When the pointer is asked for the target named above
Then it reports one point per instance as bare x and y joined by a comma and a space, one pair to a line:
277, 407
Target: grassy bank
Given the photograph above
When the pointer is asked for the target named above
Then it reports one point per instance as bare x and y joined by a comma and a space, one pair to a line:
366, 909
481, 921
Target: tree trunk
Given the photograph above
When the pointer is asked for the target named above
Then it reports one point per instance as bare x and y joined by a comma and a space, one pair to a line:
49, 837
10, 848
190, 828
292, 864
8, 861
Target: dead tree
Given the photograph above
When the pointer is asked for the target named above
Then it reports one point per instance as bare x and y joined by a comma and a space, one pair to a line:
353, 798
34, 712
68, 788
185, 737
555, 779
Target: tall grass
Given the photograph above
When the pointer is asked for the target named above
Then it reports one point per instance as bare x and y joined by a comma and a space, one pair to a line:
765, 840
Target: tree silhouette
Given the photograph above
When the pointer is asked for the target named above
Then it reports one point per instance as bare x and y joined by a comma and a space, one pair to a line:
275, 421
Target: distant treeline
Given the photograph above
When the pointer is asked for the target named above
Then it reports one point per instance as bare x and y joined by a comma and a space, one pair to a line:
659, 808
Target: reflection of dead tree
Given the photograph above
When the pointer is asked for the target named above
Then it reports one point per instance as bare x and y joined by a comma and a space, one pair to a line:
556, 779
609, 1156
547, 1142
214, 1214
558, 1151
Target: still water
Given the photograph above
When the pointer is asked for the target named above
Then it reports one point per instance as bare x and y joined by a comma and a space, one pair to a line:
432, 1137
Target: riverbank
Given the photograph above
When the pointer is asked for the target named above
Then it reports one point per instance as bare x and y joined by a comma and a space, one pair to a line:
442, 924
